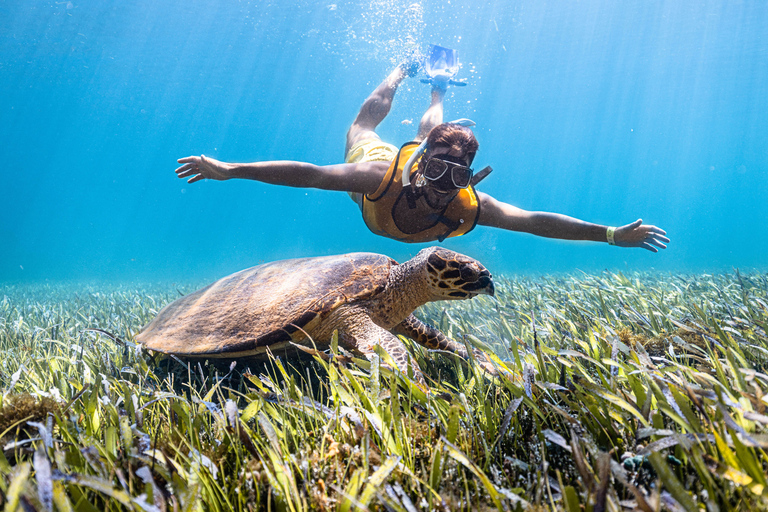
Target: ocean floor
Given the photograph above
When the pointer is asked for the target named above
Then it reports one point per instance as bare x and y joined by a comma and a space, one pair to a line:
614, 392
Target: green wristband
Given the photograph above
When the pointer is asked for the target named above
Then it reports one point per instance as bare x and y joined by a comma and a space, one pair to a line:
609, 235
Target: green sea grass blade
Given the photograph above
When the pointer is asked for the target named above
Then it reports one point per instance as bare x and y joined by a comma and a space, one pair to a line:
571, 499
104, 487
383, 431
460, 457
350, 493
19, 479
61, 499
671, 483
251, 410
748, 462
436, 471
623, 404
376, 480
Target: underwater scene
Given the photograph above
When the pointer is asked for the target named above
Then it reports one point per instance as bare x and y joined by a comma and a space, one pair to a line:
392, 255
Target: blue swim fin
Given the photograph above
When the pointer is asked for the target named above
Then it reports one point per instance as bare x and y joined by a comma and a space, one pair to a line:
441, 66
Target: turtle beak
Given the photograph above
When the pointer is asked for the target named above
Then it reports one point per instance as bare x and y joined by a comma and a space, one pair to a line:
489, 288
483, 285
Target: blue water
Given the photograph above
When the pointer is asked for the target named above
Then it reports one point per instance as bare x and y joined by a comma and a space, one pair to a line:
607, 111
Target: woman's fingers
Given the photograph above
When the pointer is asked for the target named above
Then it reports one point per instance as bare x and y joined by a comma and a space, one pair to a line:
657, 234
187, 172
191, 168
185, 167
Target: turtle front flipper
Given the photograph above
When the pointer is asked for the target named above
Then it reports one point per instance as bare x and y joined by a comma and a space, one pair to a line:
361, 335
432, 339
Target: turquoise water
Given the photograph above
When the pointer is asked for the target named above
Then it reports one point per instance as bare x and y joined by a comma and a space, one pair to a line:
606, 111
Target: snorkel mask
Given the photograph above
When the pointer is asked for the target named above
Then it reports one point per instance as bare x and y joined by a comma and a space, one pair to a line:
419, 152
447, 173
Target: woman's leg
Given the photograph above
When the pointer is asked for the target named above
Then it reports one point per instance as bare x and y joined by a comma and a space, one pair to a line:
434, 114
377, 106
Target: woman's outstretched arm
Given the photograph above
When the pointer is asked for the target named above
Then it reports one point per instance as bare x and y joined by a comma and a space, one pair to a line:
360, 177
498, 214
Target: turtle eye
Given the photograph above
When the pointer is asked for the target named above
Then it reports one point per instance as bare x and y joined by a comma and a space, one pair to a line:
469, 274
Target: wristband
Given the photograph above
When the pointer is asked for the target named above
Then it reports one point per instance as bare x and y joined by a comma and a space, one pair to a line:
609, 235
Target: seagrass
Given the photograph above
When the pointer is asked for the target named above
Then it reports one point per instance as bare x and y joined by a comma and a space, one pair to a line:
615, 391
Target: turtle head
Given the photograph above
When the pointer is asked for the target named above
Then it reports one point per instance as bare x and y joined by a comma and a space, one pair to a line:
453, 276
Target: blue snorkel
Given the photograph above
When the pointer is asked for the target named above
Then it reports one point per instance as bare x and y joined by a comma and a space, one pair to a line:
406, 176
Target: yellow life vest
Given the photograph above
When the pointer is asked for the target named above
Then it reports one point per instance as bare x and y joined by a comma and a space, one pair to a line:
391, 210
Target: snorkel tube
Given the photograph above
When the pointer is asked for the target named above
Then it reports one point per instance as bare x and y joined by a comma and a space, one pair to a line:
406, 176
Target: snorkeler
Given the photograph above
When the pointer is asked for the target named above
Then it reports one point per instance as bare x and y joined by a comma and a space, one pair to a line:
425, 191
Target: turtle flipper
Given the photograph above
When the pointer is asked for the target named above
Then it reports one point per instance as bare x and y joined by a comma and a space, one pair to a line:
429, 337
362, 335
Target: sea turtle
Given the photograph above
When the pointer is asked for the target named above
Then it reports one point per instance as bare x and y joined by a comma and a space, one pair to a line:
367, 297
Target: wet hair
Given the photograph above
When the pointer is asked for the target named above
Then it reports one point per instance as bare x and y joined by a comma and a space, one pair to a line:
453, 137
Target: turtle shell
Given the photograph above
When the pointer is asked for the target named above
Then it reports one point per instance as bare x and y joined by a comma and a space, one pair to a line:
262, 306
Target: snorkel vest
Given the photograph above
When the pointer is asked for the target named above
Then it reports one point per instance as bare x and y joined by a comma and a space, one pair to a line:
391, 210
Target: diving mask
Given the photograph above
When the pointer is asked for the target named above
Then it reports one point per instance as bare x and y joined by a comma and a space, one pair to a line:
443, 172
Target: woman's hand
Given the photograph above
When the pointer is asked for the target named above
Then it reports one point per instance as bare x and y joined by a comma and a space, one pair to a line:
201, 167
642, 235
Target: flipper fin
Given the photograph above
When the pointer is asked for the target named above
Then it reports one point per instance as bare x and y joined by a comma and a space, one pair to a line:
451, 82
441, 66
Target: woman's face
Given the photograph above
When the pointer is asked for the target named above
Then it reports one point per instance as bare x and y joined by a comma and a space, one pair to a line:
438, 197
